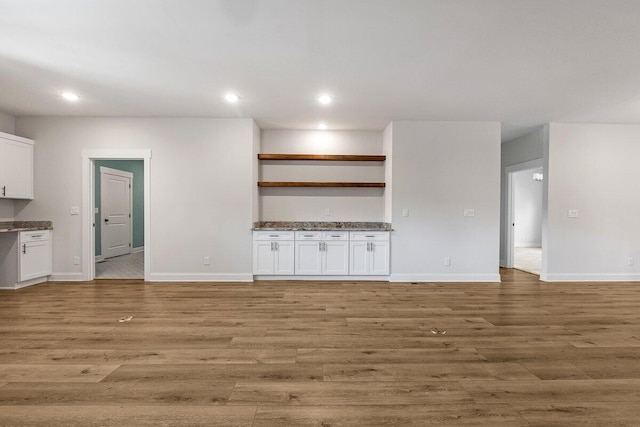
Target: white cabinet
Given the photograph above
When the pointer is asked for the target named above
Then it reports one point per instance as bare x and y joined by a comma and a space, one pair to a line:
322, 253
35, 254
369, 253
16, 167
25, 258
273, 253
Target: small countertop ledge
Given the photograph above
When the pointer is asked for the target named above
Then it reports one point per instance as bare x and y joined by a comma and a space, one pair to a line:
320, 226
16, 226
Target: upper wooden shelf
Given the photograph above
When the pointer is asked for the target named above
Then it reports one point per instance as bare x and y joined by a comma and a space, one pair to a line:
325, 157
321, 184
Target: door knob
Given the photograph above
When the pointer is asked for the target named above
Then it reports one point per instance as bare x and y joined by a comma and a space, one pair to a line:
106, 220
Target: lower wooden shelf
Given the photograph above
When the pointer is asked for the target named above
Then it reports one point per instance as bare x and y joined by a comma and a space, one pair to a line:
321, 184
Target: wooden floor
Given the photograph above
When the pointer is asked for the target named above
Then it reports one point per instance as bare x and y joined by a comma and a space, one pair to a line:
321, 354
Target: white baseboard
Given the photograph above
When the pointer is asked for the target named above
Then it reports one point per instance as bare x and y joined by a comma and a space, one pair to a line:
99, 258
24, 284
65, 277
603, 277
503, 263
197, 277
445, 278
325, 278
138, 249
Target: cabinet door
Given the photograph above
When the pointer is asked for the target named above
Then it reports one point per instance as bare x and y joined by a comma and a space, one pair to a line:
308, 257
16, 169
379, 258
35, 260
263, 257
284, 254
335, 258
359, 262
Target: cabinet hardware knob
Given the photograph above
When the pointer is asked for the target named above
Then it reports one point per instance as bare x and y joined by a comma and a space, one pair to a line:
106, 220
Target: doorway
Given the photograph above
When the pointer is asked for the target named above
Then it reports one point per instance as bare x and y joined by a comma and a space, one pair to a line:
119, 219
138, 258
524, 227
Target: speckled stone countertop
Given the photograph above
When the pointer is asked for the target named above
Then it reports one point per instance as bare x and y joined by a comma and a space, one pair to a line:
327, 226
15, 226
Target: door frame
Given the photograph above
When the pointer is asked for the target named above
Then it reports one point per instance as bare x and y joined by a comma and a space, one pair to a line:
509, 171
122, 174
88, 203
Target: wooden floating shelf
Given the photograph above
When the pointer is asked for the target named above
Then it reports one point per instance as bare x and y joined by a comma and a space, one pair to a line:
321, 184
325, 157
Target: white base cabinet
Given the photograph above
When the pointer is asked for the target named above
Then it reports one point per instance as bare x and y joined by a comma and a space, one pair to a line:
369, 253
320, 253
35, 254
16, 167
27, 260
273, 253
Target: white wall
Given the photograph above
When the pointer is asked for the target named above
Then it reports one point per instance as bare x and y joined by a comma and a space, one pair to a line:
309, 204
387, 150
593, 168
527, 209
520, 150
7, 125
200, 189
440, 169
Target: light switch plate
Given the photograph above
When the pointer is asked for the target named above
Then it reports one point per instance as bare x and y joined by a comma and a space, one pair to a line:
405, 212
572, 213
469, 212
75, 210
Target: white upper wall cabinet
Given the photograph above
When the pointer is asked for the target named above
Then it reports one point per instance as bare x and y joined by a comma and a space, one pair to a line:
16, 167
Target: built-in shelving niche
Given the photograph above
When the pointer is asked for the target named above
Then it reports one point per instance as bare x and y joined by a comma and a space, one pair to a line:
326, 158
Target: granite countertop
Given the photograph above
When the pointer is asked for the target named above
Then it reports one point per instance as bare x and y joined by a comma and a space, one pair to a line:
320, 226
15, 226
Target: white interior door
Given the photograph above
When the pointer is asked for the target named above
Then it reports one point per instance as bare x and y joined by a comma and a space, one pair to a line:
115, 187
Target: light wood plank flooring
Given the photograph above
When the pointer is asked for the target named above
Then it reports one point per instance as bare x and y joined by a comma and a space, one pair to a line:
517, 353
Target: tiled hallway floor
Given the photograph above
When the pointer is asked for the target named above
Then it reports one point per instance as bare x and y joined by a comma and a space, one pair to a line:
129, 266
528, 259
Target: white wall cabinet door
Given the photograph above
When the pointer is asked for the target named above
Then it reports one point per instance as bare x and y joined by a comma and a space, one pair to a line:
308, 257
359, 258
35, 255
16, 168
284, 256
379, 253
335, 258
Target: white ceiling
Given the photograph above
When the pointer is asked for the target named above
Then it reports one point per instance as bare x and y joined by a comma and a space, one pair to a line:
521, 62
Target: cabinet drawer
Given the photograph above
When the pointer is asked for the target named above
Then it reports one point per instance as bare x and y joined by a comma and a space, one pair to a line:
308, 235
273, 235
369, 235
335, 235
34, 236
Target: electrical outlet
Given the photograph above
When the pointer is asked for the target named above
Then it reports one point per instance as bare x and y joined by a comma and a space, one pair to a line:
405, 212
75, 210
327, 212
630, 261
572, 213
447, 261
96, 211
207, 260
469, 212
76, 260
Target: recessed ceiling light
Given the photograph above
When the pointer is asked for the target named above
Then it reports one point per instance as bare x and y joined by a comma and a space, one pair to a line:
322, 126
325, 99
70, 96
231, 97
